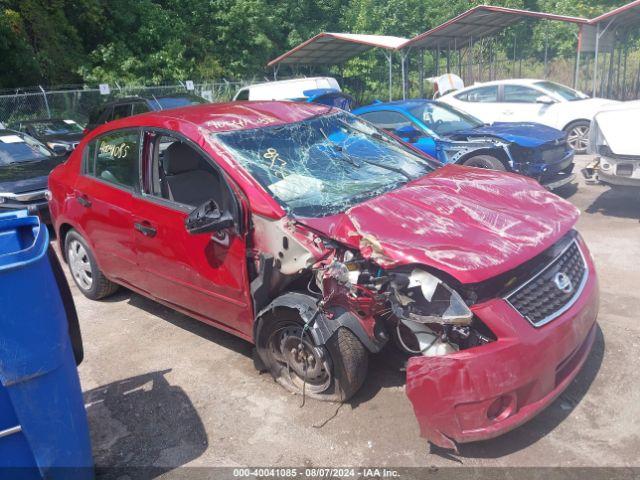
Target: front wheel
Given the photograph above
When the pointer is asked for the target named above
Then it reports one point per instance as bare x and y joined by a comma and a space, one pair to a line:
485, 161
578, 135
331, 372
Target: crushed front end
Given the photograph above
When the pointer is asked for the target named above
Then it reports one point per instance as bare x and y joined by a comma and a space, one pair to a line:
543, 321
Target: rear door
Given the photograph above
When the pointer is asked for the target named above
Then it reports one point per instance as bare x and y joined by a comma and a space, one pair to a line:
201, 274
104, 193
481, 102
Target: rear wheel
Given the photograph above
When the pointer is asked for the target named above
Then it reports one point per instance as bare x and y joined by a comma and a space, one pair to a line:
331, 372
578, 135
84, 269
484, 161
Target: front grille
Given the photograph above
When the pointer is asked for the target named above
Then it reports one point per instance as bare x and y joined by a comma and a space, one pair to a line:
552, 291
553, 154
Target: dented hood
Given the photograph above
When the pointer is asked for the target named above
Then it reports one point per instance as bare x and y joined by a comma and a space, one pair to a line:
471, 223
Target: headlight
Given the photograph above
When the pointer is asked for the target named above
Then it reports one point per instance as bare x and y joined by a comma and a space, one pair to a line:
424, 298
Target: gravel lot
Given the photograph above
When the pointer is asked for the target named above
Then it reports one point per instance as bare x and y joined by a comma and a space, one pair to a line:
165, 390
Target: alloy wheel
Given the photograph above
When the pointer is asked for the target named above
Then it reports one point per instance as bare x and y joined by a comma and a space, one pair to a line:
578, 138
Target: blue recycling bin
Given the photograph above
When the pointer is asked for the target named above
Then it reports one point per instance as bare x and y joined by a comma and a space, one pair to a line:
43, 423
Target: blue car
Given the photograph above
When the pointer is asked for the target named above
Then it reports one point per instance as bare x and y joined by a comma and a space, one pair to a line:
452, 136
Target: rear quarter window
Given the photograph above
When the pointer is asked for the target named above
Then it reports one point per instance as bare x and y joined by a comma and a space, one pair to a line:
487, 94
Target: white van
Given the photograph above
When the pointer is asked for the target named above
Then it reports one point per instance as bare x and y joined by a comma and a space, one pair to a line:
285, 89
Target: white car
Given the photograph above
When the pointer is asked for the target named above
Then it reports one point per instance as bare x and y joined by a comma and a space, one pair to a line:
612, 139
292, 89
528, 100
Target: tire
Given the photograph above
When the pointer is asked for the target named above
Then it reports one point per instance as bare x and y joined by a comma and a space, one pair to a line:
578, 135
337, 370
84, 268
485, 161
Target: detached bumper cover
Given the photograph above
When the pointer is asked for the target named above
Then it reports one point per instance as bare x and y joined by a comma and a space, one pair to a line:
486, 391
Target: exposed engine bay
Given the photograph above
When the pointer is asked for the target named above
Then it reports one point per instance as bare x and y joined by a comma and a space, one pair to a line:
409, 305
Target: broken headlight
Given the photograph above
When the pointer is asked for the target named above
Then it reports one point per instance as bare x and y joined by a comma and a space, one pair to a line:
424, 298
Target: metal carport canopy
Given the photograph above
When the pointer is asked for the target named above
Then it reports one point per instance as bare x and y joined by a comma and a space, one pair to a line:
333, 48
478, 22
624, 16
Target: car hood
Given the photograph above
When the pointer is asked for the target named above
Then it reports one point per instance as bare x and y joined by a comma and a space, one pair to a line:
471, 223
525, 134
25, 177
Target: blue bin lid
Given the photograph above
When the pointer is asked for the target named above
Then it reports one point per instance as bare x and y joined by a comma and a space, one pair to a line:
22, 239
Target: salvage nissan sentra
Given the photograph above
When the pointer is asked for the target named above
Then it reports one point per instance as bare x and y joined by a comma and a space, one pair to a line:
319, 238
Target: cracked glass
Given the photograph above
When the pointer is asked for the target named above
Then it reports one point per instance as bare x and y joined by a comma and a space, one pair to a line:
325, 164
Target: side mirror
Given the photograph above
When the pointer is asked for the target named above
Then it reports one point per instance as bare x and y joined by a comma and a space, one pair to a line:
408, 131
208, 218
545, 99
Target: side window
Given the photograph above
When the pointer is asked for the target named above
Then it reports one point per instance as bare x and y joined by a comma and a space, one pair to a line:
487, 94
243, 94
520, 94
121, 111
387, 119
117, 158
179, 173
140, 107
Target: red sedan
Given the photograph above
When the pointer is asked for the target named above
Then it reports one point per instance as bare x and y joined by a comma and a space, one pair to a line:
319, 238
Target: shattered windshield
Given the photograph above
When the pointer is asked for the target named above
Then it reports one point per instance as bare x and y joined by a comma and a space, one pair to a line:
325, 164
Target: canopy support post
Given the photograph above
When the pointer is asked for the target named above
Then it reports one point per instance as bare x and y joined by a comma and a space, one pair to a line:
403, 61
576, 76
422, 73
389, 57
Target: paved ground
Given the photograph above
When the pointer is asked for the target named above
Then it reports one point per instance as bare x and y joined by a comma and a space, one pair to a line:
165, 390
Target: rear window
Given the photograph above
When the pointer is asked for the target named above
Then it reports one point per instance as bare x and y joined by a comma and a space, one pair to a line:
177, 102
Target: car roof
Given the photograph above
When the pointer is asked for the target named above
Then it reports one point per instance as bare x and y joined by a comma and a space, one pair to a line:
40, 120
509, 81
230, 116
288, 81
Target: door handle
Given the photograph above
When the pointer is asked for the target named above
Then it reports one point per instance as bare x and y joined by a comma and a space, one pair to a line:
145, 228
83, 200
508, 112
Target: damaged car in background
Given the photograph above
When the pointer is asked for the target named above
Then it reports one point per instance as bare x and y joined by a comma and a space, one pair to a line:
320, 238
612, 140
452, 136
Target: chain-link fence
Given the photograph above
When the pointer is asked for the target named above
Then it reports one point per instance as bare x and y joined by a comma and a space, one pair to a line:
78, 103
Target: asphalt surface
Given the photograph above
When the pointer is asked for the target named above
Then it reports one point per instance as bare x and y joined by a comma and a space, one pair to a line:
165, 390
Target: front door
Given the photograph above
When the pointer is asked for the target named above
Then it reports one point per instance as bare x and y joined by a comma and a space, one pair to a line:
103, 197
201, 274
519, 103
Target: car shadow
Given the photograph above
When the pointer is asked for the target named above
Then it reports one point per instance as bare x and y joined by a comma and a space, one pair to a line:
567, 191
185, 322
542, 424
622, 202
387, 369
142, 427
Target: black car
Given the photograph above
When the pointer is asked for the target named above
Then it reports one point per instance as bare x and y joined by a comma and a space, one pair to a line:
25, 164
125, 107
60, 135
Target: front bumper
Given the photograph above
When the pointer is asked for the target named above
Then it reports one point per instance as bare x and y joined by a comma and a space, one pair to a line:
618, 171
483, 392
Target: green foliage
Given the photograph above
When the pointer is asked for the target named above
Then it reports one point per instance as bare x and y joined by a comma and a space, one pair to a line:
155, 41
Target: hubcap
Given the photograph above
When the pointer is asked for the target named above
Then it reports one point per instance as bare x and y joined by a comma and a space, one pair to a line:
306, 363
578, 138
80, 265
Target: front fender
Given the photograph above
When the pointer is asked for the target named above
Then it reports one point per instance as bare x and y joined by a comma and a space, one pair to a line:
321, 327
